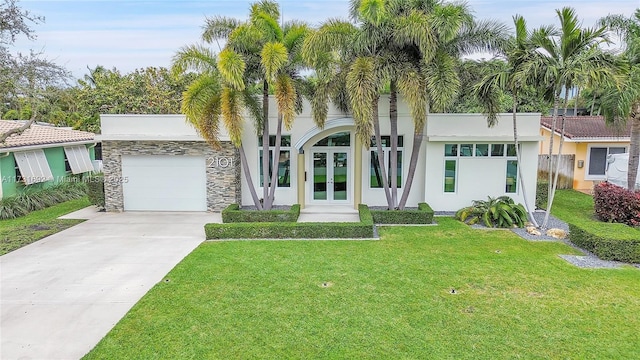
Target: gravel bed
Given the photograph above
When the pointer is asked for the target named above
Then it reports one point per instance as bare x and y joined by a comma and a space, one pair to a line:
554, 223
274, 207
591, 262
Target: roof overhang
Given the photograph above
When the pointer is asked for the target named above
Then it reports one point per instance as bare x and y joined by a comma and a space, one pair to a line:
46, 146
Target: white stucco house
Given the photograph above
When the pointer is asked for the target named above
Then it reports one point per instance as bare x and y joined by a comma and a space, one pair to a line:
158, 162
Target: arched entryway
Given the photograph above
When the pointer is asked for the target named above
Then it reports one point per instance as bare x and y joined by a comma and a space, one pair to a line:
330, 165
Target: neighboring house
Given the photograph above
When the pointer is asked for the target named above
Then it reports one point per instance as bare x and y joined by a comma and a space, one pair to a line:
42, 155
159, 163
591, 141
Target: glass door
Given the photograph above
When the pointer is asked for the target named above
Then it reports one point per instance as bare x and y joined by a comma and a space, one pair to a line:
330, 175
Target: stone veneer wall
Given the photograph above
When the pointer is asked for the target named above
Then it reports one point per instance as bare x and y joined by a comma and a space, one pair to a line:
223, 184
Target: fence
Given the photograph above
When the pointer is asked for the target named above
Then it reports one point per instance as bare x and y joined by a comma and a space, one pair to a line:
565, 179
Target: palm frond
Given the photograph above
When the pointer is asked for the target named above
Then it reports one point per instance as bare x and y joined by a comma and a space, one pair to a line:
362, 85
193, 57
231, 109
285, 93
273, 57
231, 67
218, 27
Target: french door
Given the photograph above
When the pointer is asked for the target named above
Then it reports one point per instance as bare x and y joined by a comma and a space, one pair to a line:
330, 175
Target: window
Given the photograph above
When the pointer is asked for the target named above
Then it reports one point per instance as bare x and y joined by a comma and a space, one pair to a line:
598, 159
375, 174
32, 166
284, 161
512, 176
77, 159
504, 151
450, 176
337, 139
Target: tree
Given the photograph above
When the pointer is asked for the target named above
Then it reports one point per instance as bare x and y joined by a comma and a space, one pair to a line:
24, 79
622, 100
412, 46
489, 92
258, 54
566, 56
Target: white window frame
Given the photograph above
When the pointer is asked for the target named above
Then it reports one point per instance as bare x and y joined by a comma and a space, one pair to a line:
33, 166
79, 159
273, 162
387, 162
587, 161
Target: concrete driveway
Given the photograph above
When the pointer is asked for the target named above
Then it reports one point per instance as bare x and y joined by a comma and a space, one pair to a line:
61, 295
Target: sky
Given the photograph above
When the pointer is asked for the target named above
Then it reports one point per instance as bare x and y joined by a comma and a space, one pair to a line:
131, 34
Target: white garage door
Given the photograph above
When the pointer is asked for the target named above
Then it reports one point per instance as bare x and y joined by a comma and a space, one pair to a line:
164, 183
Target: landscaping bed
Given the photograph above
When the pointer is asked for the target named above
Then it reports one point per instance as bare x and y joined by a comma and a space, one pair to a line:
293, 230
609, 241
233, 214
422, 215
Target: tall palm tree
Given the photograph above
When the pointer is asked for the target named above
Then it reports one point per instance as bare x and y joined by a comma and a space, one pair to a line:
259, 52
566, 55
623, 99
517, 51
411, 46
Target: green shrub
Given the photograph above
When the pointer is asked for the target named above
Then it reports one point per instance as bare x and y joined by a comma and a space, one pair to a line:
424, 215
36, 198
609, 241
611, 247
233, 214
365, 214
289, 230
542, 194
501, 212
95, 190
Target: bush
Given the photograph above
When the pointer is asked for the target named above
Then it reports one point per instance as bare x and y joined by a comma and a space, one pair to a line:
542, 194
614, 246
501, 212
95, 190
424, 215
293, 230
613, 203
233, 214
35, 198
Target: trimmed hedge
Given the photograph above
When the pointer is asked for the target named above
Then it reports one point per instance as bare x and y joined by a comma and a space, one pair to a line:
614, 246
609, 241
542, 194
294, 230
233, 214
424, 215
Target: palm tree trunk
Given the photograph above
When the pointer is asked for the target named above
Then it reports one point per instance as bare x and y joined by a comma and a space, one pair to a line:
575, 102
265, 141
413, 164
554, 185
247, 176
634, 148
383, 171
276, 163
593, 103
554, 119
393, 155
519, 160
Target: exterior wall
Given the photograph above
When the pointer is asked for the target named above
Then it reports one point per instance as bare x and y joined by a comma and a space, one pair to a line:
55, 158
222, 184
8, 173
478, 177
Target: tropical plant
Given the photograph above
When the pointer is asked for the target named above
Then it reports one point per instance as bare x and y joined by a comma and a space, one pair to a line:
566, 57
412, 46
622, 100
518, 50
259, 56
501, 212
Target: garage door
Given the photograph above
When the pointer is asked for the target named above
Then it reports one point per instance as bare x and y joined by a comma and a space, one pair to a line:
164, 183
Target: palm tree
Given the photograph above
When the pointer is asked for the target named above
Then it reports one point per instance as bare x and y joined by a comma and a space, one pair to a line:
623, 99
259, 52
565, 56
517, 51
411, 46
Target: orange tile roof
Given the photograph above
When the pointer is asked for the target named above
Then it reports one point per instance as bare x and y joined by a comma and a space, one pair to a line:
586, 127
40, 134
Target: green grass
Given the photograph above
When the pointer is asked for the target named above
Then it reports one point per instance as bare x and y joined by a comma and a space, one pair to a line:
577, 208
16, 233
387, 299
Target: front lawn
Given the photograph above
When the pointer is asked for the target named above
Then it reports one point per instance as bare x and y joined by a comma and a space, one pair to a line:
16, 233
387, 299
